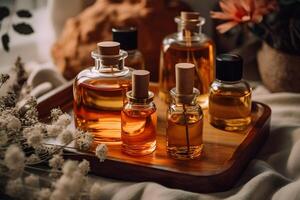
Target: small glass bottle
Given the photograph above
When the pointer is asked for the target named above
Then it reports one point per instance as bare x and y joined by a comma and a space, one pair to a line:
128, 38
189, 45
100, 92
139, 119
230, 96
185, 117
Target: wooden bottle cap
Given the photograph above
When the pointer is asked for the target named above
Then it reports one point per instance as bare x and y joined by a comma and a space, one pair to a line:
184, 78
108, 48
140, 84
189, 15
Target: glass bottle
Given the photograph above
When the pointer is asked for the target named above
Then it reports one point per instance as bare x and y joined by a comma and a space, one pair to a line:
100, 92
139, 119
189, 45
128, 38
185, 117
230, 96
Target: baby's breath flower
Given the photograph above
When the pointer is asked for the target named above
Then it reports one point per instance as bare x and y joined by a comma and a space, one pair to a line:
66, 136
14, 188
69, 167
54, 130
84, 140
101, 152
3, 137
84, 166
33, 158
63, 120
43, 194
59, 195
32, 181
95, 191
34, 138
13, 123
56, 161
55, 113
14, 158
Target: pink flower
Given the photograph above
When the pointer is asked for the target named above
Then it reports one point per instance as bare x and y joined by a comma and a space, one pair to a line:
242, 11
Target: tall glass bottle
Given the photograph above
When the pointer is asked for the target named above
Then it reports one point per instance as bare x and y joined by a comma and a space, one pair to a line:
230, 96
185, 117
139, 119
128, 38
189, 45
100, 92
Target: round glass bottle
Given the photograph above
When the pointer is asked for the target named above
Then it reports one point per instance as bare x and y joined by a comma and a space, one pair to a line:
230, 96
139, 119
185, 118
100, 93
189, 45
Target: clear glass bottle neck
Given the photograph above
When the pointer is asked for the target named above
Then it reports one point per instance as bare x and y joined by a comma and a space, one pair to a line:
229, 82
184, 99
113, 62
145, 101
189, 29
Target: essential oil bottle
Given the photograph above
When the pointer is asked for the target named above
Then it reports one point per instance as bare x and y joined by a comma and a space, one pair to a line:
100, 92
185, 118
189, 45
139, 119
230, 96
128, 38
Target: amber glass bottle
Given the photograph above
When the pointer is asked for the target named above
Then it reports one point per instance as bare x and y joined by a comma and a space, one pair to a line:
100, 93
230, 96
139, 119
185, 117
128, 39
189, 45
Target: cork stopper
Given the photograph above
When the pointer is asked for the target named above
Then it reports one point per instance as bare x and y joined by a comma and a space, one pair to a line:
184, 78
108, 48
140, 84
189, 15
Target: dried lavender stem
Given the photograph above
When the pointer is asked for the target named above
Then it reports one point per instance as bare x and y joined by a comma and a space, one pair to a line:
187, 135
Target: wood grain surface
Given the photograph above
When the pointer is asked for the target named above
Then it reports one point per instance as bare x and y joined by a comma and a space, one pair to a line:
224, 157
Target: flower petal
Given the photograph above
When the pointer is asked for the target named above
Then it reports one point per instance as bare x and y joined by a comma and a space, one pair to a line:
226, 26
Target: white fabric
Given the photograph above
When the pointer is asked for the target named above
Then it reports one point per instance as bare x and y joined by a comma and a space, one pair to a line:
272, 175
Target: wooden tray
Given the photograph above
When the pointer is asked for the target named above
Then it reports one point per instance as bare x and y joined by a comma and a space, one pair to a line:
225, 154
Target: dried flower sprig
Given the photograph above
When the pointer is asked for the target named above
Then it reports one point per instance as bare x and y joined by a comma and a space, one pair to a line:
22, 147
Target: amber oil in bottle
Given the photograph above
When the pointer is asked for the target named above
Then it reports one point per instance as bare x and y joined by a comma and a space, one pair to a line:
230, 96
139, 119
100, 92
185, 117
189, 45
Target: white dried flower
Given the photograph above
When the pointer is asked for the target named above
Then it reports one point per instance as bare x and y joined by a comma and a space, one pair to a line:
43, 194
63, 120
66, 136
101, 152
14, 158
14, 188
69, 167
13, 123
3, 137
33, 158
95, 191
32, 181
55, 113
84, 166
34, 138
59, 195
84, 140
56, 161
54, 130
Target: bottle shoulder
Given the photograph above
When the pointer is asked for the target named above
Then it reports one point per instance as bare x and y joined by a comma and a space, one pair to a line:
241, 87
139, 110
199, 40
92, 73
